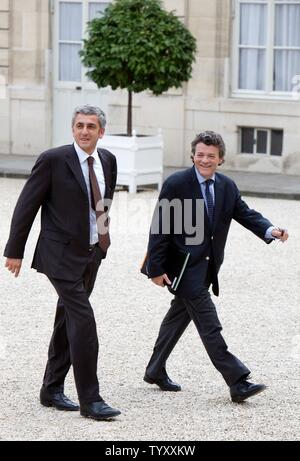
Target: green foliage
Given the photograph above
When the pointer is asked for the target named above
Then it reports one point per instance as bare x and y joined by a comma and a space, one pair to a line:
137, 45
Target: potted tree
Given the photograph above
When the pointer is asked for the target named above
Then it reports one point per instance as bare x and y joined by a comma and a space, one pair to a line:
137, 45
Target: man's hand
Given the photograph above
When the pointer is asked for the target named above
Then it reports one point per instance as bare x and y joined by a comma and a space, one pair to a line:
161, 280
280, 234
14, 265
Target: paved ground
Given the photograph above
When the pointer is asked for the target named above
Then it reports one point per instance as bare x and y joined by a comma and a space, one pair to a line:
258, 306
249, 183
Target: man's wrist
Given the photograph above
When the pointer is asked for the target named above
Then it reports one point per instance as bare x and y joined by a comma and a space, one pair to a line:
268, 234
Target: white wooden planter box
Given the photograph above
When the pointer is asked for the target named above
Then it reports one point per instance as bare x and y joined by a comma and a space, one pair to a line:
139, 159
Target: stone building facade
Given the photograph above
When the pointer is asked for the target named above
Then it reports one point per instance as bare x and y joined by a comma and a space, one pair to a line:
245, 83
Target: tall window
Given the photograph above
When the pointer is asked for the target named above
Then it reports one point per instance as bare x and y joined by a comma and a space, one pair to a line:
268, 45
72, 21
286, 44
70, 27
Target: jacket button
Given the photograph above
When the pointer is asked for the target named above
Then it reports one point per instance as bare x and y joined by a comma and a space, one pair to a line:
207, 258
212, 237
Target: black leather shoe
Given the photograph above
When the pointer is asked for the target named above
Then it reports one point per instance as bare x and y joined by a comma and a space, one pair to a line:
166, 384
57, 400
242, 390
98, 410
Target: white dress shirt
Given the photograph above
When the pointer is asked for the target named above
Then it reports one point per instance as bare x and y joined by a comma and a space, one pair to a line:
83, 156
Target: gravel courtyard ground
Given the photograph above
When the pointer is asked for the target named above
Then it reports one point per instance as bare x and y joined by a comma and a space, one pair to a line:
258, 307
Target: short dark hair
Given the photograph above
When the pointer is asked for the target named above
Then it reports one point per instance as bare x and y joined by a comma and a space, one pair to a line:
210, 138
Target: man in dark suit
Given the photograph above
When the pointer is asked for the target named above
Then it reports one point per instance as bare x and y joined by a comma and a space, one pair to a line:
68, 183
192, 300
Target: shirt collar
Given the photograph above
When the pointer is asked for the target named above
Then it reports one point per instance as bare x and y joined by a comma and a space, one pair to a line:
200, 177
83, 156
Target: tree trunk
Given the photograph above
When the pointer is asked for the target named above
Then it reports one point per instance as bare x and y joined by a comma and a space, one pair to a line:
129, 114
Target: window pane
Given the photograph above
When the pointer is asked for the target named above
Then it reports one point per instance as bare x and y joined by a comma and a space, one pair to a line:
261, 142
287, 21
247, 140
69, 62
70, 21
253, 24
252, 69
276, 142
97, 9
286, 67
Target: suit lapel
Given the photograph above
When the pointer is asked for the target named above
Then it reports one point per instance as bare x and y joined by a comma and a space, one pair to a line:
195, 184
74, 164
106, 172
219, 198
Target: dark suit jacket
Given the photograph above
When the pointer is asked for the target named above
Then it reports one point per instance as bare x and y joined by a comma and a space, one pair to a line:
57, 185
228, 205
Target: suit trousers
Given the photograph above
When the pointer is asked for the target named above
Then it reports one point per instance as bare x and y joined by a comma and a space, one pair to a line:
202, 312
74, 339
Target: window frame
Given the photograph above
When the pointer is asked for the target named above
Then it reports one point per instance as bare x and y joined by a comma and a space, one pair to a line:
269, 139
268, 93
71, 84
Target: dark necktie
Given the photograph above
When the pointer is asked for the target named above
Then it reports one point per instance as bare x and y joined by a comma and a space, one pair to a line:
209, 201
98, 206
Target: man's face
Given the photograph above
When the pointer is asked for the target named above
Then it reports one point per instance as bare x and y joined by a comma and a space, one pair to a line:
206, 159
87, 131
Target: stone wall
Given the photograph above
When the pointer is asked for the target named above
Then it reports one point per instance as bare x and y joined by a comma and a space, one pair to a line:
28, 103
4, 73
